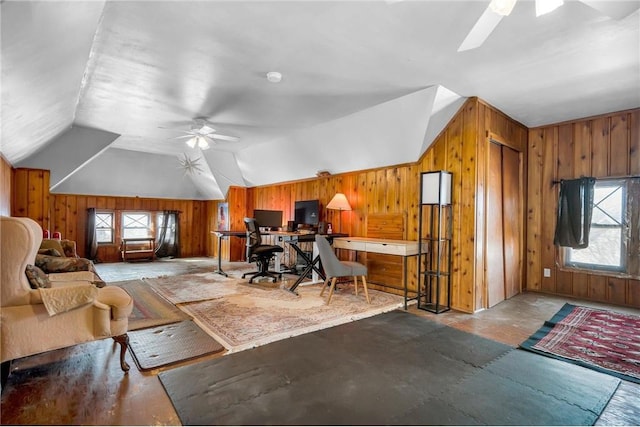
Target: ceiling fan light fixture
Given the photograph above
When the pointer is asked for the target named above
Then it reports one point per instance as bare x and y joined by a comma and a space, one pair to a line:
274, 77
546, 6
502, 7
191, 142
202, 143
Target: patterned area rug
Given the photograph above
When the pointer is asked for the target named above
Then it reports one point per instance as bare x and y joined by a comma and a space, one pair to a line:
598, 339
149, 308
242, 316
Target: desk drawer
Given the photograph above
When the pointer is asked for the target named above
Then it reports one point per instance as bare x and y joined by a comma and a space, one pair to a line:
387, 248
353, 245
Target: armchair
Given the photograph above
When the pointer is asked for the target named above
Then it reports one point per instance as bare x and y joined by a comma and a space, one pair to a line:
26, 327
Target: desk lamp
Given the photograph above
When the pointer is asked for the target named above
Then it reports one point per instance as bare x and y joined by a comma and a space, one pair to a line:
339, 203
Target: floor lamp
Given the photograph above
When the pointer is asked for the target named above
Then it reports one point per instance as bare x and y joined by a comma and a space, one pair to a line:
339, 203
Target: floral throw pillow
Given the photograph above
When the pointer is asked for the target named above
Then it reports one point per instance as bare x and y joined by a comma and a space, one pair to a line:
37, 277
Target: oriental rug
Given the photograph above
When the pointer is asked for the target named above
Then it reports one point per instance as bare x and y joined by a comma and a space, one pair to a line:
240, 315
149, 308
598, 339
392, 369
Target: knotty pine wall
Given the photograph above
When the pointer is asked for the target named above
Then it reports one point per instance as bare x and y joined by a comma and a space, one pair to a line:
67, 213
602, 146
6, 184
461, 148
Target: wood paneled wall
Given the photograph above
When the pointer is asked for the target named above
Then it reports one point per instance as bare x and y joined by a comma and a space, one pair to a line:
461, 148
6, 185
603, 146
31, 195
67, 213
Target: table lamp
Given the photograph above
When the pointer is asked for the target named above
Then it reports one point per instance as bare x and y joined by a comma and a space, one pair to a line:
339, 203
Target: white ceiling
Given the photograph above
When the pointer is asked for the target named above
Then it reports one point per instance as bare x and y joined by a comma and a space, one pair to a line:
365, 83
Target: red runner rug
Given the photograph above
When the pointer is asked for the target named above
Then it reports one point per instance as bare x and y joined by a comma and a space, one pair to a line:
598, 339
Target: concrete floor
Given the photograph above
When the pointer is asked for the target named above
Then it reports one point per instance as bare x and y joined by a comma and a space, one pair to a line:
84, 384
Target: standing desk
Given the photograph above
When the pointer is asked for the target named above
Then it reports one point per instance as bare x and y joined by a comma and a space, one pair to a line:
221, 234
311, 264
403, 248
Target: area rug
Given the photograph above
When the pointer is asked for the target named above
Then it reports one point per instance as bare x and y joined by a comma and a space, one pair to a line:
164, 345
149, 308
193, 287
598, 339
392, 369
241, 315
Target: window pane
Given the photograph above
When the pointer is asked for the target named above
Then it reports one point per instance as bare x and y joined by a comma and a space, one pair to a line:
605, 248
608, 205
104, 235
136, 225
104, 227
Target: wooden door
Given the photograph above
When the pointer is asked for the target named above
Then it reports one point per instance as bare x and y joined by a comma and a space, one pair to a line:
504, 224
512, 220
495, 251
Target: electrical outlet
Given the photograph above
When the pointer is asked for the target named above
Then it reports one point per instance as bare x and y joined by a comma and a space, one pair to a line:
547, 272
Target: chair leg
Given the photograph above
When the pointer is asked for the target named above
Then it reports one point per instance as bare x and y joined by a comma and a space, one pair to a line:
355, 283
123, 340
366, 291
326, 282
333, 286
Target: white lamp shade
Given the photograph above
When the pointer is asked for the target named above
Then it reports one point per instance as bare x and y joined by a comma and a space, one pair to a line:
339, 202
436, 188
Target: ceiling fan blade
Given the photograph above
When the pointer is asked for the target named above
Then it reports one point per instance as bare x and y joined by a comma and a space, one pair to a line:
184, 136
487, 22
224, 137
614, 9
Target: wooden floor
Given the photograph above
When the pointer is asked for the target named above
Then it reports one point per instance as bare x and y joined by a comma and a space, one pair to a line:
84, 384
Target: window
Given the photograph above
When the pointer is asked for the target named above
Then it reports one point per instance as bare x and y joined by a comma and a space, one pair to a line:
610, 238
136, 225
104, 227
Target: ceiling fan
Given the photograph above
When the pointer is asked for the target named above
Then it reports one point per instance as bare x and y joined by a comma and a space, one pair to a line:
498, 9
202, 135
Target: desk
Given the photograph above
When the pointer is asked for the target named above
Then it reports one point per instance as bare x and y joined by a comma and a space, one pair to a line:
221, 234
403, 248
311, 263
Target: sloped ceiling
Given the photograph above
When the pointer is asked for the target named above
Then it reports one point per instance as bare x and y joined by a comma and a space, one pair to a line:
97, 91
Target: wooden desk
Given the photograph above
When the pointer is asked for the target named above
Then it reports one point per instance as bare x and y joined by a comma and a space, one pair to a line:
403, 248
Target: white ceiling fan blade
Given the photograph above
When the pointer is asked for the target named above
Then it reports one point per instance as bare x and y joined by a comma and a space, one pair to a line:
184, 136
547, 6
224, 137
206, 130
614, 9
481, 30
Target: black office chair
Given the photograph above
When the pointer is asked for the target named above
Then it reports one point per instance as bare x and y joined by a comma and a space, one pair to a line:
259, 253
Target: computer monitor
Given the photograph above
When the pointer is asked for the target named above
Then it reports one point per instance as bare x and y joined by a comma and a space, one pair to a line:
307, 212
267, 218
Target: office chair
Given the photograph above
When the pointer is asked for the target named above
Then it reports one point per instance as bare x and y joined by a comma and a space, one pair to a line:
259, 253
334, 268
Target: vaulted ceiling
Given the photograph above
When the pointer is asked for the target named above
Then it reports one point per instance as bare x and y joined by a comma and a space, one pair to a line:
97, 91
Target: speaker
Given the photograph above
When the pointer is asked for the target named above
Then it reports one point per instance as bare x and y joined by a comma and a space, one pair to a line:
322, 227
291, 226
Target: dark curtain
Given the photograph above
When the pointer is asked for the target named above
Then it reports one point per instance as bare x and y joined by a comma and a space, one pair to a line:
92, 240
168, 235
575, 205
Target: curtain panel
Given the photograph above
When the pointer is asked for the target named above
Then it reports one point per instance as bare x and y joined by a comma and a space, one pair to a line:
92, 239
575, 207
168, 235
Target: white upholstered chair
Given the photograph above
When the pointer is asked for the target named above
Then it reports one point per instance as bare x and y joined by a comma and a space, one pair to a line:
26, 325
